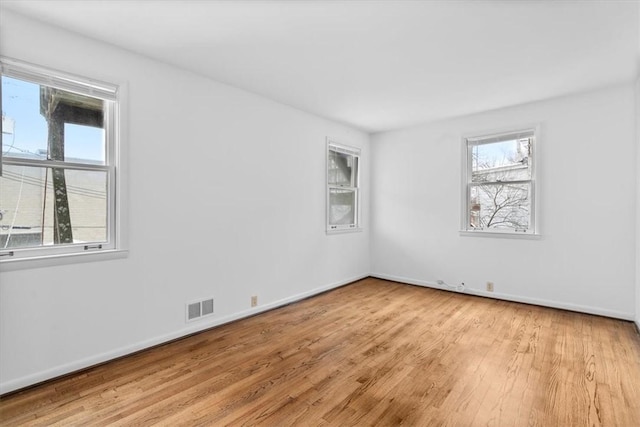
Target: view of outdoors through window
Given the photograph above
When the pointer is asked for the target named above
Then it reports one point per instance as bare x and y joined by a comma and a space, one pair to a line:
499, 188
343, 188
53, 189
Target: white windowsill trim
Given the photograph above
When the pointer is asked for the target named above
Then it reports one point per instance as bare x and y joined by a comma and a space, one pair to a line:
501, 235
13, 264
345, 230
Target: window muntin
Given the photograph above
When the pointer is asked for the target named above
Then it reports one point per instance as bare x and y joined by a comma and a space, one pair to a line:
342, 187
57, 189
499, 183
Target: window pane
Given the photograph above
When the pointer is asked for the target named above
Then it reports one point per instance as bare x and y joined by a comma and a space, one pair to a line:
42, 122
342, 167
502, 206
501, 161
84, 144
24, 129
342, 207
32, 216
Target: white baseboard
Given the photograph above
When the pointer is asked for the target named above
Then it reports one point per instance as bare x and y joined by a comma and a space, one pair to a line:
78, 365
514, 298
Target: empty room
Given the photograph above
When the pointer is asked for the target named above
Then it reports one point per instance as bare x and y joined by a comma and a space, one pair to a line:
320, 213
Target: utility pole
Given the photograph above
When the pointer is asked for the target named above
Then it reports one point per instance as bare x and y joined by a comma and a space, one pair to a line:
59, 107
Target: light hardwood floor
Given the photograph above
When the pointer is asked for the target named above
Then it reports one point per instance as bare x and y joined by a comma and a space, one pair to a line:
370, 353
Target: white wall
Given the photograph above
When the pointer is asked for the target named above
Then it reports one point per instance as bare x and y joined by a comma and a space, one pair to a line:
227, 199
585, 259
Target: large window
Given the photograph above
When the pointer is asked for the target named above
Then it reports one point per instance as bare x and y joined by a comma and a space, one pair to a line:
499, 183
58, 176
343, 197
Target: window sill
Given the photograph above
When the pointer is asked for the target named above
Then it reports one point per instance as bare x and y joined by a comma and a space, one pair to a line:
501, 235
60, 259
344, 230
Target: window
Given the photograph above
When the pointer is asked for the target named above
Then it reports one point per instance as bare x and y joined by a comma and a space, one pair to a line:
58, 176
499, 183
343, 196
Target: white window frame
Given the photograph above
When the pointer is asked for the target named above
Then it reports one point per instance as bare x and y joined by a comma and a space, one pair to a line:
115, 244
355, 187
478, 138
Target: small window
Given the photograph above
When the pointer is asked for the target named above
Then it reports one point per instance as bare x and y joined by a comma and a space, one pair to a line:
499, 183
58, 176
343, 197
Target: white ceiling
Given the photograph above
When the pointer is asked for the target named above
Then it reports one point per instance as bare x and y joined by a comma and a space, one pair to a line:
375, 65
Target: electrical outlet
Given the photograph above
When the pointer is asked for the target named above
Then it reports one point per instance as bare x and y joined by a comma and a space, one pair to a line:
254, 300
489, 286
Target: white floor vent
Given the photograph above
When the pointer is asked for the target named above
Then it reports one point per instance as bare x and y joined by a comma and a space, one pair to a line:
198, 309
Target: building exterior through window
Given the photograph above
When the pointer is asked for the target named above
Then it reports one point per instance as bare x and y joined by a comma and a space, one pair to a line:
499, 183
58, 182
